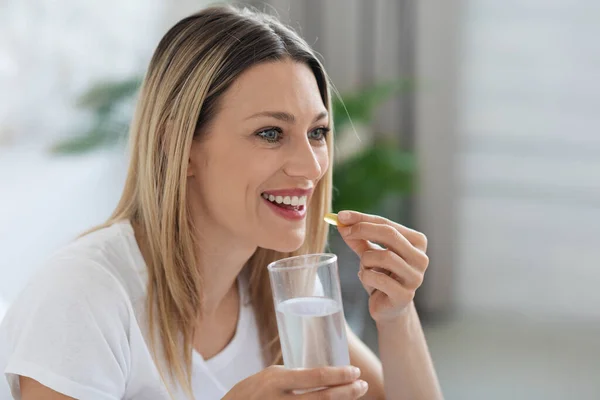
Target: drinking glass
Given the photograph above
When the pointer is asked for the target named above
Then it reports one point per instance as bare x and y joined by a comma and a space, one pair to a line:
310, 316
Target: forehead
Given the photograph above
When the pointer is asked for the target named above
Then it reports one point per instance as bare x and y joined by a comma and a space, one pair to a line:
287, 86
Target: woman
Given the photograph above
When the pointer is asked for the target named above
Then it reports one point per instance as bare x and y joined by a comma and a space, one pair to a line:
230, 170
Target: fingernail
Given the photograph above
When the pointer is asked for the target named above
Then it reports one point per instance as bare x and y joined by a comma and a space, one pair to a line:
355, 372
344, 216
363, 385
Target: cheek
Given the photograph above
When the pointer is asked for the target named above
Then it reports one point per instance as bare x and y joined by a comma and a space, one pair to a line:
219, 183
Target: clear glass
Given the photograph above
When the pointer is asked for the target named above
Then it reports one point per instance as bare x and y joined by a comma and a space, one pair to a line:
310, 316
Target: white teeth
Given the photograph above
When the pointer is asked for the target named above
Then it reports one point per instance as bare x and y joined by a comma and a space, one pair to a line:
288, 200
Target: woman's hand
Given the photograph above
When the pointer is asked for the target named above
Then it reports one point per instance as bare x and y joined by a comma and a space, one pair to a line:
390, 274
277, 382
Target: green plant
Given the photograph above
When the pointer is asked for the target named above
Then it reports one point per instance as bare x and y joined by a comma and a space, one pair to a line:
361, 181
360, 106
111, 104
380, 169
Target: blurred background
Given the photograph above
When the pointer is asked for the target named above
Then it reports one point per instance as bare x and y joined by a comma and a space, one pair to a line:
475, 121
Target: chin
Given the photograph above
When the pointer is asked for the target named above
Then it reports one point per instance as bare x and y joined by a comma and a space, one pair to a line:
284, 243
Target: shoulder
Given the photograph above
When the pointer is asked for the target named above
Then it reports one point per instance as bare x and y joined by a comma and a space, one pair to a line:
110, 252
90, 274
107, 260
74, 314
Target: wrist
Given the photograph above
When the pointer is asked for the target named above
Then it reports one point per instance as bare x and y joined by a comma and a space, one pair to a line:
401, 323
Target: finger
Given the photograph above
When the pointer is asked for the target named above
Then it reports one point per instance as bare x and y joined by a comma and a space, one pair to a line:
387, 236
319, 377
416, 238
408, 276
368, 288
359, 246
387, 285
353, 390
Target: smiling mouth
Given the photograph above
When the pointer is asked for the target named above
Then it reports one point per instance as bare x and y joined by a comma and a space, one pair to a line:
297, 203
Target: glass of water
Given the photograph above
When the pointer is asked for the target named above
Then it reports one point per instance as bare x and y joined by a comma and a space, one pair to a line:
310, 316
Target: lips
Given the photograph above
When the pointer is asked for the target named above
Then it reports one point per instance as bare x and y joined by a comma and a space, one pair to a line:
288, 203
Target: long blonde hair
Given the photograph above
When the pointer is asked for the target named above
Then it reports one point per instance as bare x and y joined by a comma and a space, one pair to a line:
193, 65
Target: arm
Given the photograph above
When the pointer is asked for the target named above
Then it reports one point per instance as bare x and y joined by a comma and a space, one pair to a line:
407, 367
368, 363
407, 371
391, 274
32, 390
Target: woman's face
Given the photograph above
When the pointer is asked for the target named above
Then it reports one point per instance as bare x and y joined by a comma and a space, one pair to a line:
252, 173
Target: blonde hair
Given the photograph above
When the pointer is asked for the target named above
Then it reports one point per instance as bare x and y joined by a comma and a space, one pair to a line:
193, 65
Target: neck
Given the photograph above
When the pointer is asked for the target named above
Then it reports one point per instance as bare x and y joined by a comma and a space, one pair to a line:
219, 263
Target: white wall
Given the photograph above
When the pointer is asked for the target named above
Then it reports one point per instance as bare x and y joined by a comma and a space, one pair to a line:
50, 53
3, 307
528, 160
436, 68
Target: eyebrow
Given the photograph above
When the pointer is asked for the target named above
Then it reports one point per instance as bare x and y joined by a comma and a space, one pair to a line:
284, 116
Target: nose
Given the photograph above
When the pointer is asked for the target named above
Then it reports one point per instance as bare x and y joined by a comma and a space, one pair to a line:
305, 161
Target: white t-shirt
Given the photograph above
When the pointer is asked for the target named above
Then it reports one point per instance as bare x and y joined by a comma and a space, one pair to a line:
79, 328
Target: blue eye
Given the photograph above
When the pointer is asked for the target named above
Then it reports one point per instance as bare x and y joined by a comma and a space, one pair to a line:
271, 135
318, 134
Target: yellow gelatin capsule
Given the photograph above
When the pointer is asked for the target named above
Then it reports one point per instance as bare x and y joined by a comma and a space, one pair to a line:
331, 219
